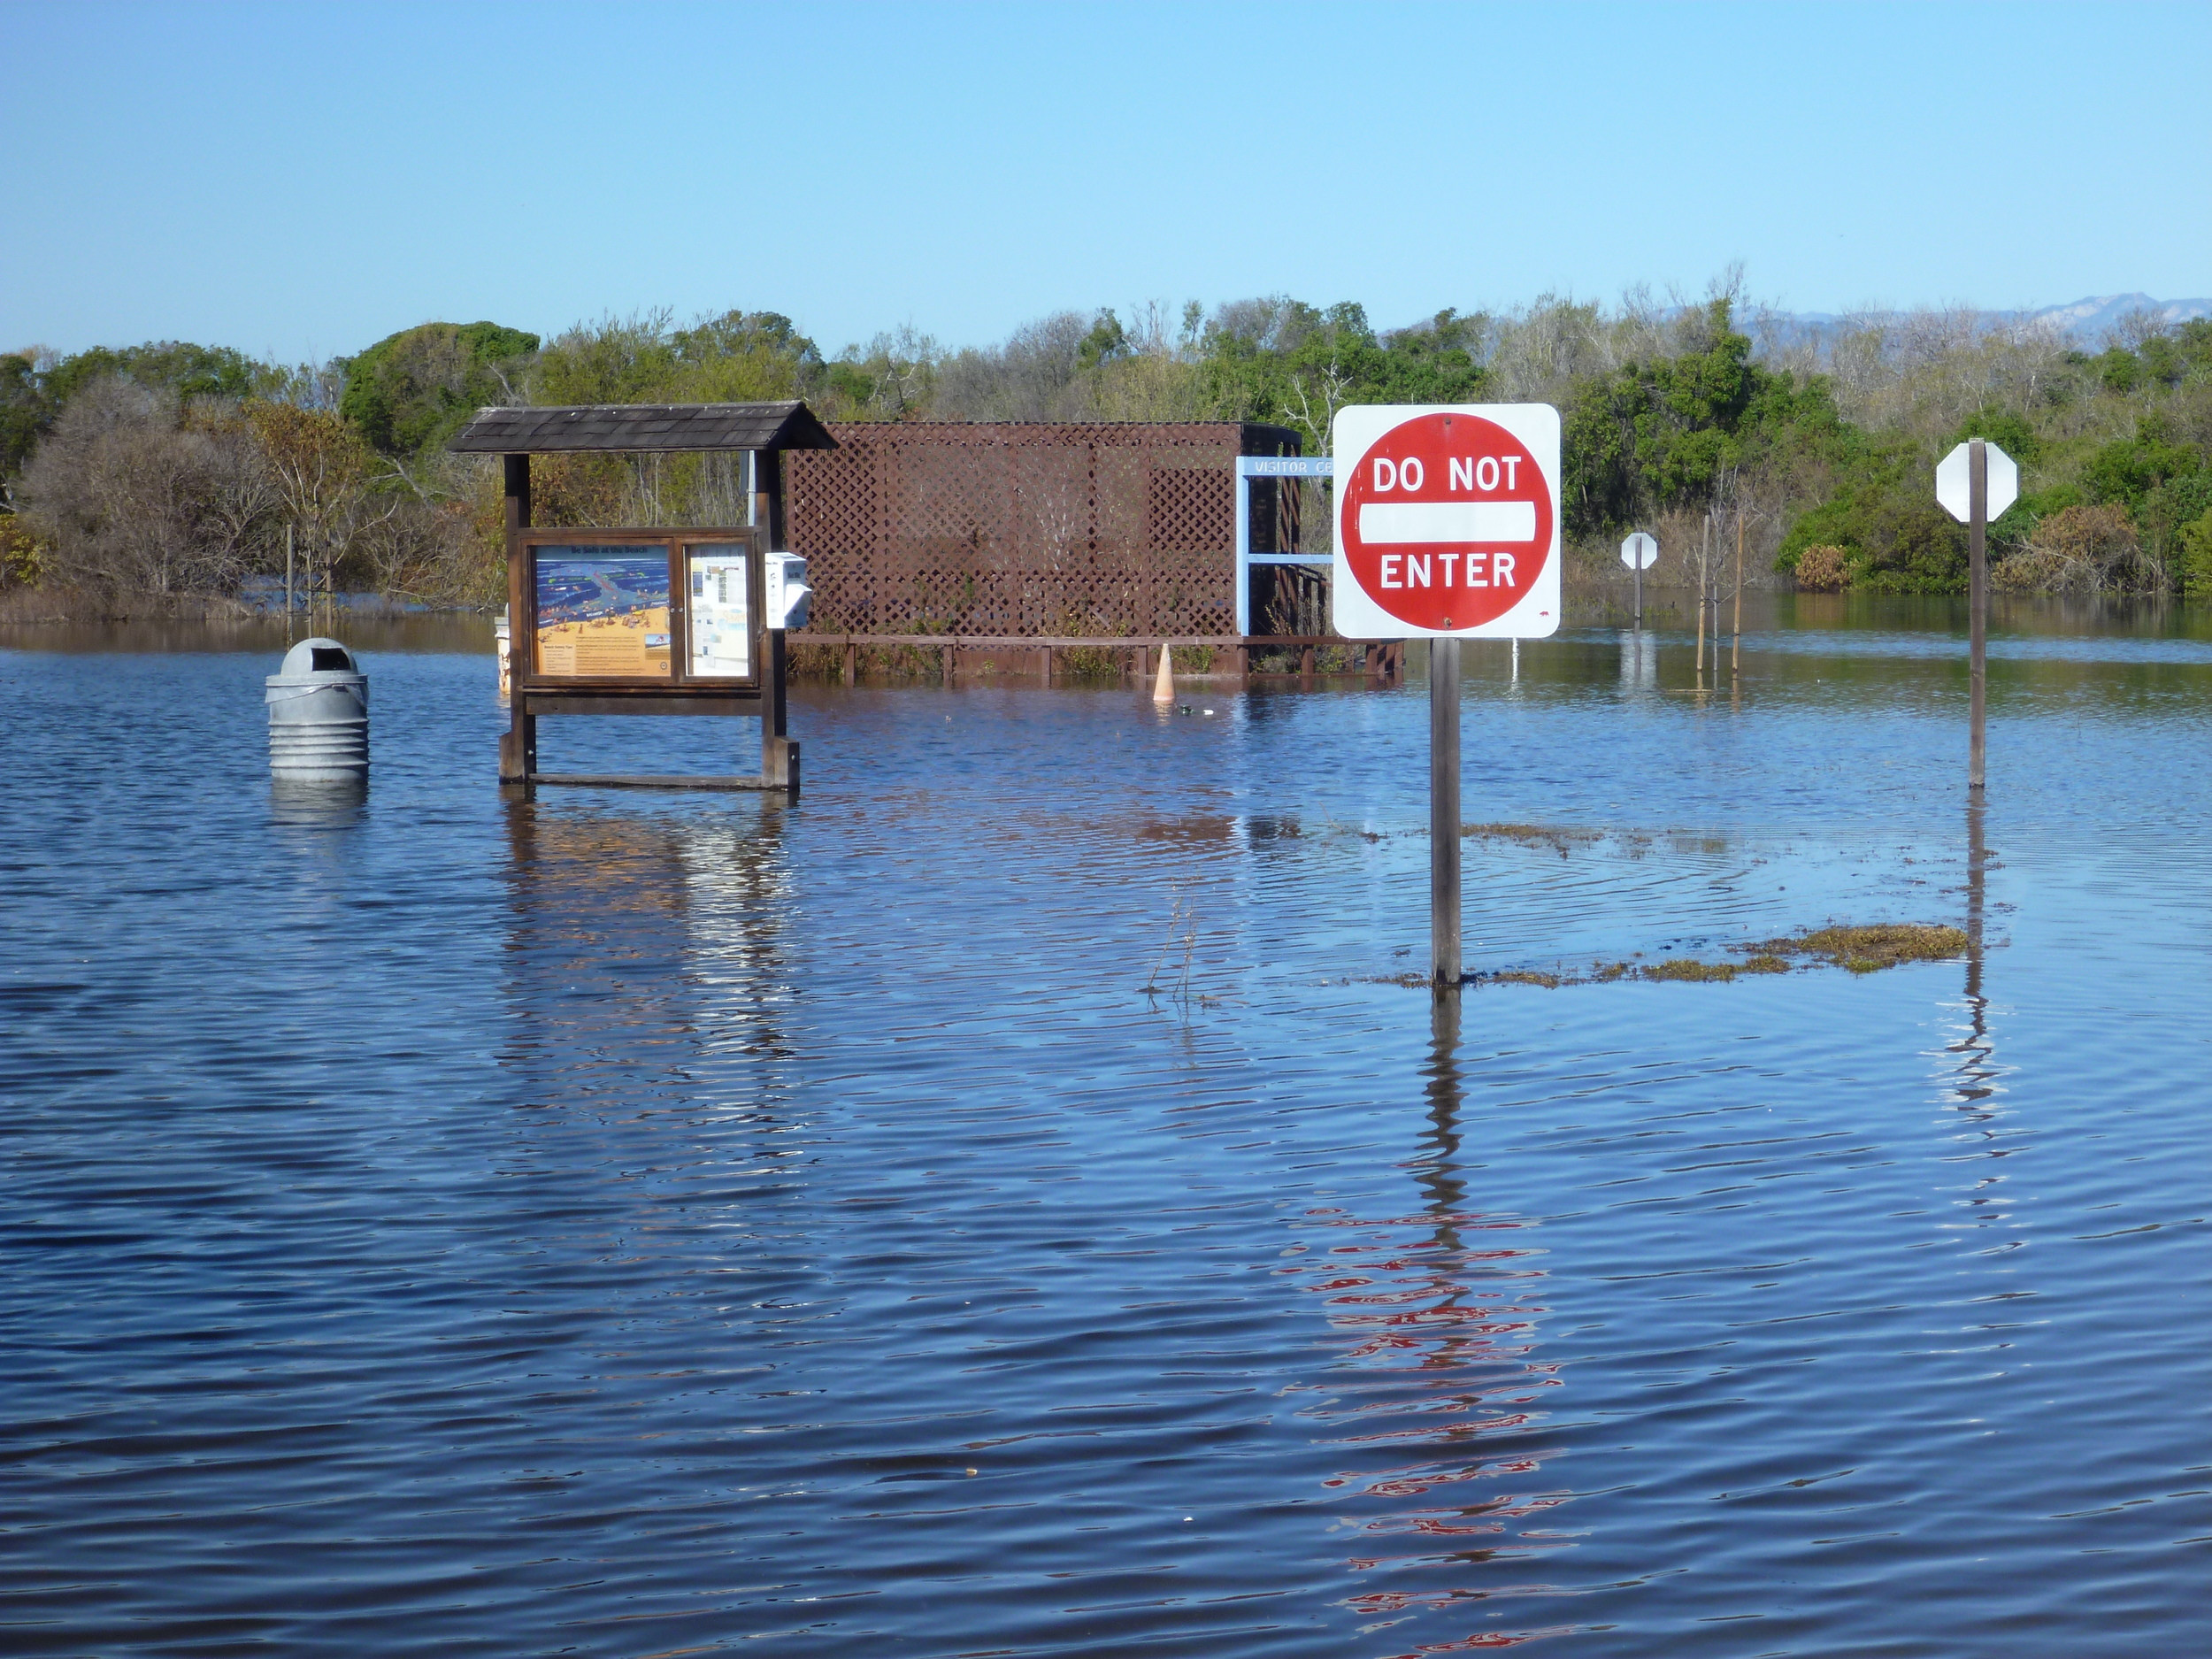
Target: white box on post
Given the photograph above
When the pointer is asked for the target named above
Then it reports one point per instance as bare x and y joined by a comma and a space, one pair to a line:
786, 600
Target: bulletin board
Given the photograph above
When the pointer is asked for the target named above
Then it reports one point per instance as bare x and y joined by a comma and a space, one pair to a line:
666, 610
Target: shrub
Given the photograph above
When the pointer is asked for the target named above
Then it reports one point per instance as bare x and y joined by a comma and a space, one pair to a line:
1912, 548
22, 553
1824, 569
2081, 551
2194, 566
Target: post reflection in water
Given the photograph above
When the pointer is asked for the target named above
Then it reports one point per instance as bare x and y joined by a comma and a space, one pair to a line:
644, 951
1443, 1396
1639, 661
1977, 1069
1975, 1082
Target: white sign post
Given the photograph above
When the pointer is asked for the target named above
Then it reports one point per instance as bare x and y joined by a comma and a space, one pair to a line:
1447, 528
1639, 553
1976, 482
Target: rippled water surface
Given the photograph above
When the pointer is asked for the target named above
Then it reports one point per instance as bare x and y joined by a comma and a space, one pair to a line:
638, 1224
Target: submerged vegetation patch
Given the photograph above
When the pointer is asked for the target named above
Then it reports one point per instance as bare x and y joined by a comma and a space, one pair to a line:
1868, 949
1688, 968
1559, 838
1856, 950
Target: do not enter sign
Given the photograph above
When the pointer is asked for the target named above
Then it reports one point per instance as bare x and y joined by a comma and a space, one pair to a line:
1447, 521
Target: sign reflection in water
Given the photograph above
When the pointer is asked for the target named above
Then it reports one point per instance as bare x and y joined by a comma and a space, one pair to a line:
1441, 1399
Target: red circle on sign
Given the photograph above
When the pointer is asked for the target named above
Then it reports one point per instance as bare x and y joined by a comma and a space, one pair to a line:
1447, 521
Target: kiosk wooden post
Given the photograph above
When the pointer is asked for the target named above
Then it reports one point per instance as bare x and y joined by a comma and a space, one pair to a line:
518, 746
778, 755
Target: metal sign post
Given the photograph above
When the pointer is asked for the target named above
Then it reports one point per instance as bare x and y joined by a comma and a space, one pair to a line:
1978, 606
1976, 482
1639, 553
1447, 528
1444, 900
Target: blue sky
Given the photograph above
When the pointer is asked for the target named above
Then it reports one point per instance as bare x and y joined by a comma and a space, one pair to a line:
303, 180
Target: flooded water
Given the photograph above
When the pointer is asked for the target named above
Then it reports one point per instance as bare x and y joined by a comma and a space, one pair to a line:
632, 1224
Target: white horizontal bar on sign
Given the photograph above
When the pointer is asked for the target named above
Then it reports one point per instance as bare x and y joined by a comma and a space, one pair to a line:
1286, 466
1389, 521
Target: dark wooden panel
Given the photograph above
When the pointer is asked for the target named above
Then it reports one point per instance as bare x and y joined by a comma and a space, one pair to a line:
542, 702
652, 781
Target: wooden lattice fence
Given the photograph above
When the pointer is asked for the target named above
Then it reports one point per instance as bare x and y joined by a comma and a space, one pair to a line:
1099, 531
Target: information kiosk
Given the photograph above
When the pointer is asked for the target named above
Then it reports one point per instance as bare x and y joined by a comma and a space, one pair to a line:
650, 620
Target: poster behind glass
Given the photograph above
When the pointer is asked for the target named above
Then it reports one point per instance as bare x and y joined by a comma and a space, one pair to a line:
603, 612
720, 613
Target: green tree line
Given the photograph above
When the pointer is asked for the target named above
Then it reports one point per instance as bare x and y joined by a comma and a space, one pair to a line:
170, 469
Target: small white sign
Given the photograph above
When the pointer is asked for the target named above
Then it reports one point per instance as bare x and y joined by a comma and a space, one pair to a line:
1641, 551
1447, 521
1954, 486
721, 630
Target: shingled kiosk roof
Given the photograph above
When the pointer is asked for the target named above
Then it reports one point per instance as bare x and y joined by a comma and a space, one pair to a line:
643, 428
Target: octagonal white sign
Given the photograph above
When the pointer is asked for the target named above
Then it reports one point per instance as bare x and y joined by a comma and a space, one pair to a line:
1952, 485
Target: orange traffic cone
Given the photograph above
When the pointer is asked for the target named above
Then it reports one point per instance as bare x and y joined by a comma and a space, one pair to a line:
1163, 687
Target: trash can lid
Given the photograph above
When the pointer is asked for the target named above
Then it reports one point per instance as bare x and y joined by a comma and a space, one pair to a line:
318, 657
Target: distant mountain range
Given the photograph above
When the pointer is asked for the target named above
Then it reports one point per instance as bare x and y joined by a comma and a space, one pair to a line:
2085, 321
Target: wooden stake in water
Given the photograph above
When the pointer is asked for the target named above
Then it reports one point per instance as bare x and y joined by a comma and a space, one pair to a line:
1444, 812
1976, 551
1735, 638
1704, 560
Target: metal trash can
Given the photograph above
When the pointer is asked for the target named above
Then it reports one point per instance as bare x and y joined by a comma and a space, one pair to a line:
318, 715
